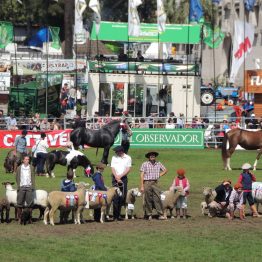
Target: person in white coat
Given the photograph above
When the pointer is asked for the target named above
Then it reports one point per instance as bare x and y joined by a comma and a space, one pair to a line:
41, 154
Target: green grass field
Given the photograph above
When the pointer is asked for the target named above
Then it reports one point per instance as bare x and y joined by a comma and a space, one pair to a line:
198, 238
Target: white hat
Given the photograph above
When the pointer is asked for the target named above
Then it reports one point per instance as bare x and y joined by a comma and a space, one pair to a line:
246, 166
252, 114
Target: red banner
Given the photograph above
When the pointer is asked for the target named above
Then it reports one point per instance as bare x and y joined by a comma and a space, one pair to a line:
55, 138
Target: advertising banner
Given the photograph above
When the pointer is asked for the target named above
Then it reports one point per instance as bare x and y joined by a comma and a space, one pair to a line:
55, 138
165, 138
141, 138
141, 66
174, 33
31, 67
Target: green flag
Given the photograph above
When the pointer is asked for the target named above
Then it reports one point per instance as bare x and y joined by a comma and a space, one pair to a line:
55, 37
6, 34
212, 38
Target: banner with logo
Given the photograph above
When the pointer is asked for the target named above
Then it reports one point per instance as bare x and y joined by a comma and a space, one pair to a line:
141, 66
55, 138
31, 67
174, 33
141, 138
165, 138
243, 41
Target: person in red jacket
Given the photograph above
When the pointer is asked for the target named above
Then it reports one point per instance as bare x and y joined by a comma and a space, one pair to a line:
183, 182
246, 178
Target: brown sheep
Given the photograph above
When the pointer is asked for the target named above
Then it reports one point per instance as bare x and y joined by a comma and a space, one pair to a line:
4, 205
102, 199
57, 199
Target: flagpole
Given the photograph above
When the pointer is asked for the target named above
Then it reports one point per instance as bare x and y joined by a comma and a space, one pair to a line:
47, 58
214, 63
244, 66
16, 65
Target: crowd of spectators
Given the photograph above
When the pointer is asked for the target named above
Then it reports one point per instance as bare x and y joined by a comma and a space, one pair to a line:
35, 123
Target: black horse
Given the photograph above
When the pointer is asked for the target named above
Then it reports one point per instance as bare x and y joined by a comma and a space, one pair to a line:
72, 161
101, 138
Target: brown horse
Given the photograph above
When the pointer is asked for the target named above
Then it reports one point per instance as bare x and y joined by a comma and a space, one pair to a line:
250, 140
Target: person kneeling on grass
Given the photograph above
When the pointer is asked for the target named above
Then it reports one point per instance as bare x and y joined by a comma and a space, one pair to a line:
220, 204
236, 202
183, 182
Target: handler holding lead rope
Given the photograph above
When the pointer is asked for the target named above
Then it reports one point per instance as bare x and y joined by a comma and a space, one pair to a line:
121, 166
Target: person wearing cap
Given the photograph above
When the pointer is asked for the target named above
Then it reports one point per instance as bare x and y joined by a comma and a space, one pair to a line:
183, 182
120, 165
246, 178
99, 185
150, 172
252, 123
20, 148
220, 204
41, 154
236, 202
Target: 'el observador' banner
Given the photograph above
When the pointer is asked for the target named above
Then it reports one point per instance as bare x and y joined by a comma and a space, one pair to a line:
166, 138
141, 138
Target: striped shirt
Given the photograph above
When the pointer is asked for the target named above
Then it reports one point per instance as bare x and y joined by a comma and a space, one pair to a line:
152, 171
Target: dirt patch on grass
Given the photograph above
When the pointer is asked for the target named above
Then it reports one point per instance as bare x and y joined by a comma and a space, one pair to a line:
196, 225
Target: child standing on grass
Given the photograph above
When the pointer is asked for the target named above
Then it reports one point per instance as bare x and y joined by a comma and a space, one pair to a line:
246, 178
99, 185
182, 181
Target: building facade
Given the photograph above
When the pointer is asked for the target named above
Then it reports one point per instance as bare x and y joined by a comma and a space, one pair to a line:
216, 63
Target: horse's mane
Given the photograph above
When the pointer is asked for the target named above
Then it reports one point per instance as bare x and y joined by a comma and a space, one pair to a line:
111, 123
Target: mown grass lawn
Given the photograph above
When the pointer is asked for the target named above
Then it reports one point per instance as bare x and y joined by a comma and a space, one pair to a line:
196, 239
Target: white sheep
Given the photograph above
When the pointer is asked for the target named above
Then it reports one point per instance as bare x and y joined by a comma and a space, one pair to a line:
169, 199
209, 196
40, 197
101, 199
130, 201
74, 200
257, 192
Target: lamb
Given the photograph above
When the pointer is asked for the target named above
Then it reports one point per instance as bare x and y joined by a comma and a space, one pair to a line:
130, 201
74, 200
209, 195
257, 192
102, 199
169, 199
4, 205
40, 198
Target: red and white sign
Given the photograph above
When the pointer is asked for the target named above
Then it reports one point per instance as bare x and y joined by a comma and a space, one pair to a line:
243, 41
55, 138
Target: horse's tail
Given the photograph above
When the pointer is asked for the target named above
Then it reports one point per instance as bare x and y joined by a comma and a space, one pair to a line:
224, 149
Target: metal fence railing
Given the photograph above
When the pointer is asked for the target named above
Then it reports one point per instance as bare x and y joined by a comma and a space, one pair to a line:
214, 129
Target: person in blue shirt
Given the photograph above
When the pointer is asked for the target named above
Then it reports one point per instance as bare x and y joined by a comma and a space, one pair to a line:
67, 185
99, 185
